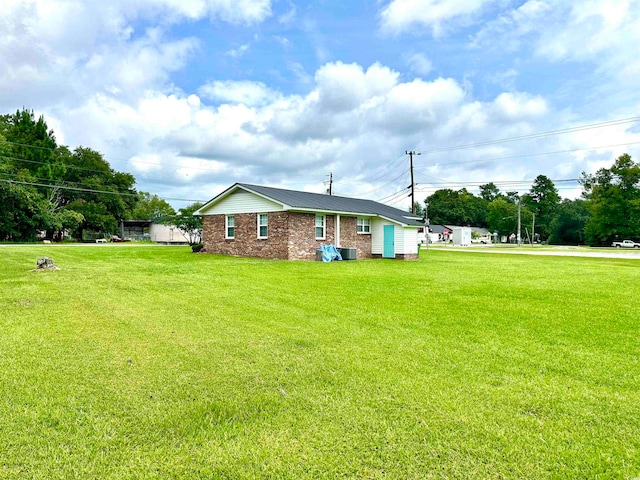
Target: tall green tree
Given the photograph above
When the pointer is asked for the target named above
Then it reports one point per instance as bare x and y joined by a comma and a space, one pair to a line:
568, 226
46, 187
20, 212
107, 196
150, 207
542, 200
489, 191
450, 207
613, 198
26, 150
502, 217
31, 145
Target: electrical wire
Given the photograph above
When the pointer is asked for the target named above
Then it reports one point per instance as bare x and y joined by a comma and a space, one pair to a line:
65, 182
383, 170
486, 160
549, 133
87, 190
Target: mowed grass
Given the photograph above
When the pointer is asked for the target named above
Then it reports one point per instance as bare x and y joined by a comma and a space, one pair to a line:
153, 362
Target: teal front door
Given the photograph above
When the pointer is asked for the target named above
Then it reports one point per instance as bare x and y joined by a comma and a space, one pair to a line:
388, 248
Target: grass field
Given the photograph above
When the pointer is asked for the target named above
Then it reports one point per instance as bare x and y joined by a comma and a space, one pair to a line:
152, 362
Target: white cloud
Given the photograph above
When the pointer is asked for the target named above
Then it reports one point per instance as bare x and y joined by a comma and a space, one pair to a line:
344, 86
239, 52
588, 31
55, 51
105, 82
505, 79
509, 30
419, 63
510, 107
242, 11
289, 17
353, 121
284, 41
404, 16
246, 92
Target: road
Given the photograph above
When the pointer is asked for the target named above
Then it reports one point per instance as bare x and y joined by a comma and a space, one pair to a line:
556, 252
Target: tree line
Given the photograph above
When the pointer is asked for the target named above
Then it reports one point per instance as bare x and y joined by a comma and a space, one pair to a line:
49, 189
46, 187
609, 209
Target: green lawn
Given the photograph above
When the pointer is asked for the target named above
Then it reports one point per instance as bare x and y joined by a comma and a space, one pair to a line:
152, 362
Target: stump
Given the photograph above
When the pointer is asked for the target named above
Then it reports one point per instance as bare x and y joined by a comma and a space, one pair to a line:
46, 263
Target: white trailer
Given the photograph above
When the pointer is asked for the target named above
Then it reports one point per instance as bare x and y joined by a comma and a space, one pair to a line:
461, 236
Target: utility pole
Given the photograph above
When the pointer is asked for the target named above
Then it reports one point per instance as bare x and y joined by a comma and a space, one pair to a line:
533, 229
411, 153
519, 239
330, 190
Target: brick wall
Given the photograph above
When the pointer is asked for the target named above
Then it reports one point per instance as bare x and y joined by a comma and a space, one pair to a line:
246, 242
349, 237
302, 243
291, 236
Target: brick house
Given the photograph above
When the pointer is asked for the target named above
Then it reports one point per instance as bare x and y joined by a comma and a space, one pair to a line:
256, 221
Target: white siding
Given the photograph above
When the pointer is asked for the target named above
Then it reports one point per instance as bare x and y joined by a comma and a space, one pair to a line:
410, 240
377, 235
405, 239
243, 202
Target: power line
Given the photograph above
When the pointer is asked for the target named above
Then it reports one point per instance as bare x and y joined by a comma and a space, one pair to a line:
398, 194
394, 180
384, 170
501, 182
535, 154
74, 167
87, 190
66, 182
537, 135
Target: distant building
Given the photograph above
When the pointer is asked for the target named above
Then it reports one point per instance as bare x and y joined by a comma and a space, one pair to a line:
140, 230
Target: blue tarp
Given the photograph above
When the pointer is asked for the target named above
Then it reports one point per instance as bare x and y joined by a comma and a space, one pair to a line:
329, 252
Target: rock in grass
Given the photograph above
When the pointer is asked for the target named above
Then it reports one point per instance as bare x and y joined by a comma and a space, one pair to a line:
46, 263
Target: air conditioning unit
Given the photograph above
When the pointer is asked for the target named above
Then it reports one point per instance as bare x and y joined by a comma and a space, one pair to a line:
348, 253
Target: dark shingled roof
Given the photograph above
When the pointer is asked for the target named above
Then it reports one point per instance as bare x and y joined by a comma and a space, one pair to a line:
333, 203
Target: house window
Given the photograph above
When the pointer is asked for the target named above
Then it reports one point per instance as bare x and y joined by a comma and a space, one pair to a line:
230, 227
320, 227
364, 225
263, 225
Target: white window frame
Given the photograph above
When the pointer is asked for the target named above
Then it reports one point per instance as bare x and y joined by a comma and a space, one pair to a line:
363, 226
227, 226
265, 224
323, 226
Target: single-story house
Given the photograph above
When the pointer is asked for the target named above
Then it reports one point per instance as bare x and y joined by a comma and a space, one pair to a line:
443, 232
480, 235
257, 221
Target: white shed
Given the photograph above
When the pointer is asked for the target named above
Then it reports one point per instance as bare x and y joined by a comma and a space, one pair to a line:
461, 236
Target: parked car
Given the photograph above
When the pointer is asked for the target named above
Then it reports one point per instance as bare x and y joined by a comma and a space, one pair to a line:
626, 244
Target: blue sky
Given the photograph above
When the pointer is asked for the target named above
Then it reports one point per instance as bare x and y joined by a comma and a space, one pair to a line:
193, 95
